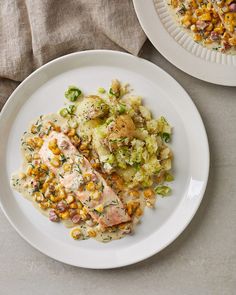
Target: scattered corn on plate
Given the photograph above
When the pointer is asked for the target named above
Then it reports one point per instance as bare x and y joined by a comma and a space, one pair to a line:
210, 23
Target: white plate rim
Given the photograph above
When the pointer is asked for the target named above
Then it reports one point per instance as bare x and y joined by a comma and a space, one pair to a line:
221, 74
108, 265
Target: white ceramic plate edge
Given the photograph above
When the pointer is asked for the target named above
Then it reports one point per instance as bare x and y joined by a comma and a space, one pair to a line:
195, 66
188, 218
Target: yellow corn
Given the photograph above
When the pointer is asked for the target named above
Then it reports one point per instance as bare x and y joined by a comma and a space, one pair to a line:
33, 129
134, 193
90, 186
22, 175
197, 37
71, 132
131, 206
75, 233
44, 205
99, 208
174, 3
52, 144
54, 198
92, 233
83, 146
70, 199
38, 141
148, 193
65, 215
232, 41
138, 212
79, 204
209, 27
193, 28
55, 162
205, 17
67, 167
29, 171
87, 176
36, 156
96, 195
209, 6
73, 206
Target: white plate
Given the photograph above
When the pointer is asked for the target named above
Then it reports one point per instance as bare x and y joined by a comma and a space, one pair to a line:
42, 92
179, 48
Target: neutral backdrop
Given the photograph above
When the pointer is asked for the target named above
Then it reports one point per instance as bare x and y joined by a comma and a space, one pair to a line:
201, 261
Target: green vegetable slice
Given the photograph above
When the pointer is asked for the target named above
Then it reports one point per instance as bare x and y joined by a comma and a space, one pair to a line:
72, 93
63, 112
162, 190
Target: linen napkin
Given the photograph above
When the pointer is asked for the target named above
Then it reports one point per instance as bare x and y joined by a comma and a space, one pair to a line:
34, 32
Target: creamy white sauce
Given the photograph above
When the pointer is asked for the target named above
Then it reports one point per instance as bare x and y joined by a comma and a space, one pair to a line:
22, 186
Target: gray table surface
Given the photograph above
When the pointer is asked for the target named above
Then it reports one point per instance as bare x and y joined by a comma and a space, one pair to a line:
201, 261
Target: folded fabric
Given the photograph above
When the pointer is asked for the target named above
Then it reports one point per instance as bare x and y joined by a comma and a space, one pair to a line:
34, 32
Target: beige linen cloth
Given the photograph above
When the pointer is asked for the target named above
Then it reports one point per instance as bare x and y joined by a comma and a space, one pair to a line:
33, 32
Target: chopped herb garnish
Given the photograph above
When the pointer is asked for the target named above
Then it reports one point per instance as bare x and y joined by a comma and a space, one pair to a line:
63, 158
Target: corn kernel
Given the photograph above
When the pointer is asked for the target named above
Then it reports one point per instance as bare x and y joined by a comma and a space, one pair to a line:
29, 171
138, 212
90, 186
95, 165
38, 141
22, 175
65, 215
87, 176
67, 167
44, 167
209, 6
208, 41
34, 129
55, 162
197, 37
52, 144
53, 198
148, 193
92, 233
70, 199
73, 206
44, 205
209, 27
219, 30
83, 146
174, 3
232, 41
205, 17
134, 193
99, 208
193, 28
79, 204
131, 206
56, 151
71, 132
75, 233
83, 215
96, 195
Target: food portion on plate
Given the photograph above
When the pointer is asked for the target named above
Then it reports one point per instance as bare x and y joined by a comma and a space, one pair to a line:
211, 23
97, 163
